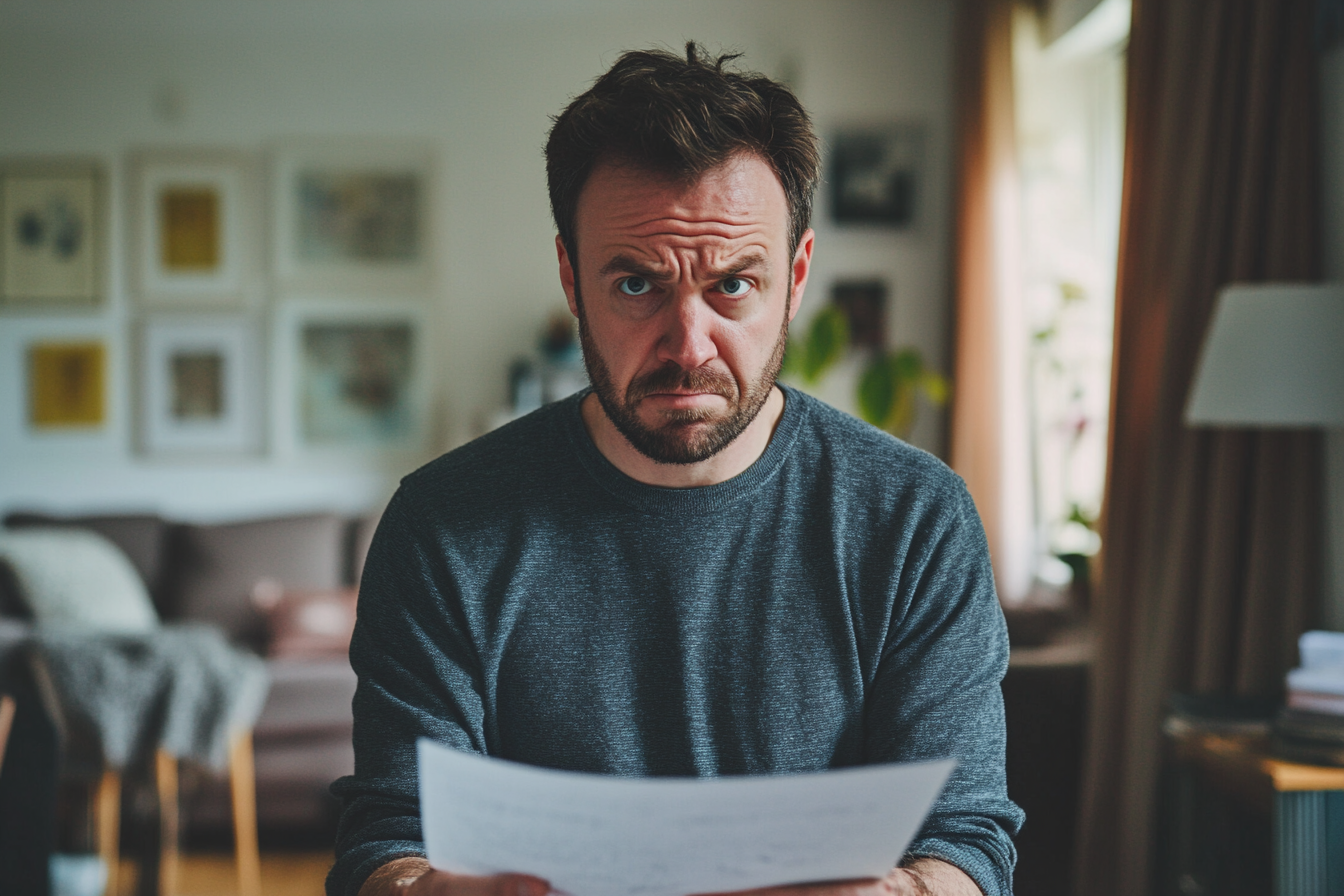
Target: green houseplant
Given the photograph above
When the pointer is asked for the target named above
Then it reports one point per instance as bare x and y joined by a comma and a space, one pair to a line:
889, 385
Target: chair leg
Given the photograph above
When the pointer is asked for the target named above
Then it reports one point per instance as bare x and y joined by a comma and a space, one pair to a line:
165, 779
107, 808
8, 706
242, 781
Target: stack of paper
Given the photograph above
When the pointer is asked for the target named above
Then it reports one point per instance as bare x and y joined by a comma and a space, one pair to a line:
597, 835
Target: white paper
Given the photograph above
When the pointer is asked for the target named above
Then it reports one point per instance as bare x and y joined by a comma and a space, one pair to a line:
596, 835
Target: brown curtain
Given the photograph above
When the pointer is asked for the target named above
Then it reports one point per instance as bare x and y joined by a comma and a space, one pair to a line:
989, 436
1212, 537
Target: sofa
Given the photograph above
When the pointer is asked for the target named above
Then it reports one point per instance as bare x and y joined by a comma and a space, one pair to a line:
283, 587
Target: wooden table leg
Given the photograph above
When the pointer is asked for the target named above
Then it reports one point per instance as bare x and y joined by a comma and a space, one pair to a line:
165, 779
7, 708
107, 808
242, 781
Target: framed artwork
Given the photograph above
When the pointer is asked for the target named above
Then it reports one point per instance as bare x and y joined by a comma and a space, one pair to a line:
355, 374
194, 225
67, 385
875, 175
200, 386
864, 303
51, 251
354, 216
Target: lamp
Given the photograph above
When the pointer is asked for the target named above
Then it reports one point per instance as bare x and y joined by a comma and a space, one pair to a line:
1274, 357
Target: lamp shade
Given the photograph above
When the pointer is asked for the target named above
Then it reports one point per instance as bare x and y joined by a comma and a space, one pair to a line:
1273, 357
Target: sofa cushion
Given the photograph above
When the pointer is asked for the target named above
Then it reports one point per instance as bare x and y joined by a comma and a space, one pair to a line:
294, 763
78, 577
308, 698
139, 535
212, 570
303, 624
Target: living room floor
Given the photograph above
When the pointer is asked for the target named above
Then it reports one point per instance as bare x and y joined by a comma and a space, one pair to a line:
213, 874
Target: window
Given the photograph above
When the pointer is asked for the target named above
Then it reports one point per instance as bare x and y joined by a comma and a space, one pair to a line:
1070, 133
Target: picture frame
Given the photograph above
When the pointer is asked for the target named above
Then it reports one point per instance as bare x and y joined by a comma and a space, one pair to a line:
864, 304
201, 386
75, 442
353, 217
54, 242
67, 384
354, 376
876, 175
194, 223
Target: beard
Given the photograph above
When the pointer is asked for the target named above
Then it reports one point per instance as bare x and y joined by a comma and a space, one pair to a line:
685, 435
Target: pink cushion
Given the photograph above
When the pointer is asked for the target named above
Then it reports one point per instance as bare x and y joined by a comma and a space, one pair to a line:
307, 623
214, 568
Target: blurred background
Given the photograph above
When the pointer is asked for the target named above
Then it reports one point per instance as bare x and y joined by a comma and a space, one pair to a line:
459, 95
262, 258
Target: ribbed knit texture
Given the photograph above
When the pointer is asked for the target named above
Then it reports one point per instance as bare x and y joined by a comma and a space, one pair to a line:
831, 606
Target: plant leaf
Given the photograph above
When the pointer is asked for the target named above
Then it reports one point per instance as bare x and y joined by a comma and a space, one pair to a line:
826, 341
909, 364
902, 418
935, 387
877, 390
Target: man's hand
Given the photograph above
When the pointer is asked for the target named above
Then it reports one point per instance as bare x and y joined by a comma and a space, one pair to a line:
414, 877
931, 877
922, 877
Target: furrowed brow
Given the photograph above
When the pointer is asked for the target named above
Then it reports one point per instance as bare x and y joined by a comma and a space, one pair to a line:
746, 263
624, 264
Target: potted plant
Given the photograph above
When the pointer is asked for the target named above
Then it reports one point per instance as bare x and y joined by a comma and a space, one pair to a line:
890, 384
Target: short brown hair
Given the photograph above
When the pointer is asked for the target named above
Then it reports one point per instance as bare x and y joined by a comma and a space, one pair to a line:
681, 118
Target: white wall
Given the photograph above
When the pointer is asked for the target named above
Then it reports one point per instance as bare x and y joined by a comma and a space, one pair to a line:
479, 80
1332, 132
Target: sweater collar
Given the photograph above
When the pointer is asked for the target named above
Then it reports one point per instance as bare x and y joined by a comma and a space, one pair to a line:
699, 499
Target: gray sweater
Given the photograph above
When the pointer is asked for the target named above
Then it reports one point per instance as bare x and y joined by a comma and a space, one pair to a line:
831, 606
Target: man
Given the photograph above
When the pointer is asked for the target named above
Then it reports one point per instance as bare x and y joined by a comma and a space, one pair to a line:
687, 570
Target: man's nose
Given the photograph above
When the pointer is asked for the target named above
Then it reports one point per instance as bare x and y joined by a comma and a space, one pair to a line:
687, 339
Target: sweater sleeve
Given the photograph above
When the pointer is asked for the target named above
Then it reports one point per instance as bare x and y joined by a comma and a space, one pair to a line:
937, 693
418, 677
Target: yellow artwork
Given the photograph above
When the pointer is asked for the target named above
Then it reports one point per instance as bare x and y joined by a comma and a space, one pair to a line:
66, 384
189, 229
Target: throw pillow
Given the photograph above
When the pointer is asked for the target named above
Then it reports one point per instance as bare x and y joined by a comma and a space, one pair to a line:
77, 577
309, 623
212, 568
139, 535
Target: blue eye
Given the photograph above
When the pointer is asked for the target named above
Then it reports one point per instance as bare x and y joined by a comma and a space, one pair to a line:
634, 286
734, 286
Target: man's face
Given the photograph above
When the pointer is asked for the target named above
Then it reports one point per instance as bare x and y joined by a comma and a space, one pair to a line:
684, 295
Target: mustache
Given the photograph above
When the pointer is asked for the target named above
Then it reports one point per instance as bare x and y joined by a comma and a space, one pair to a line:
672, 378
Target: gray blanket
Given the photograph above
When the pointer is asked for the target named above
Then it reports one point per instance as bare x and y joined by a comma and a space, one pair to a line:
182, 688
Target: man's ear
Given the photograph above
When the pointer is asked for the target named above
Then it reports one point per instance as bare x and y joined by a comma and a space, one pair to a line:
566, 275
802, 265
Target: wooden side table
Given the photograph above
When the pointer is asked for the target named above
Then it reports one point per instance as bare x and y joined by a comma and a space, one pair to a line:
243, 787
1305, 804
1045, 711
